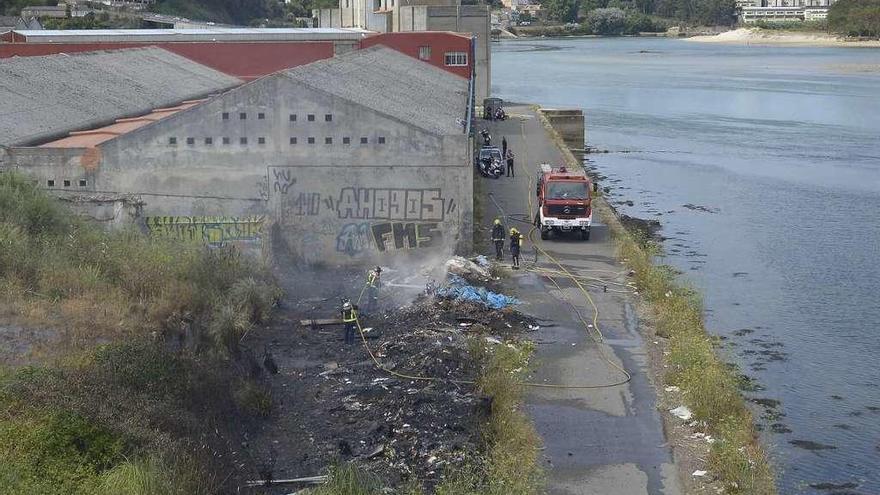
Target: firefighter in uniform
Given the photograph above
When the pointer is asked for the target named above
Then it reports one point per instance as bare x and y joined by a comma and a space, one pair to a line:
498, 238
515, 244
373, 282
350, 320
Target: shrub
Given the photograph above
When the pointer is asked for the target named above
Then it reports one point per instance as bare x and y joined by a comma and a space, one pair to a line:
609, 21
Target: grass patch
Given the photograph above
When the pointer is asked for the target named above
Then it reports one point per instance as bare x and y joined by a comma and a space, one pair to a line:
142, 391
510, 462
709, 386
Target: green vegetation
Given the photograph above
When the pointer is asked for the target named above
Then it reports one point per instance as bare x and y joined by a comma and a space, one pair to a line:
243, 12
141, 389
695, 12
855, 18
709, 387
102, 20
807, 26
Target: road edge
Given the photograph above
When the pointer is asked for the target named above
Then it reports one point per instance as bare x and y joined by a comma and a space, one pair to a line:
736, 459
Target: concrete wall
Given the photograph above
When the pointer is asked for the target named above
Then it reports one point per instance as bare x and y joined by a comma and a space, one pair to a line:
318, 203
569, 124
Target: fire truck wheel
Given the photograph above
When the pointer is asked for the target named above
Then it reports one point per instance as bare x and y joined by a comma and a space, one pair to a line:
545, 234
585, 235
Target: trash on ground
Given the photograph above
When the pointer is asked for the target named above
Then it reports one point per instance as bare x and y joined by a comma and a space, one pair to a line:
467, 269
699, 473
682, 412
672, 388
482, 260
459, 290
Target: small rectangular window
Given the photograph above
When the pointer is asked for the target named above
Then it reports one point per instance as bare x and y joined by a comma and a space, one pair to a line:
225, 115
66, 183
293, 140
328, 118
381, 139
425, 53
346, 140
172, 140
82, 183
293, 117
50, 183
242, 140
243, 115
261, 140
209, 140
311, 117
456, 59
363, 140
328, 140
261, 116
311, 140
190, 141
226, 140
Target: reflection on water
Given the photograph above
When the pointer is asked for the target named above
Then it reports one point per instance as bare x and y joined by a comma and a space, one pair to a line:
763, 165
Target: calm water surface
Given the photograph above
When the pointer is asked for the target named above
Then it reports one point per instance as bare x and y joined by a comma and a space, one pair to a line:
763, 165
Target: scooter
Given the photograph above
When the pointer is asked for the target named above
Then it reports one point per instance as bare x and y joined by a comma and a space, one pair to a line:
500, 114
491, 168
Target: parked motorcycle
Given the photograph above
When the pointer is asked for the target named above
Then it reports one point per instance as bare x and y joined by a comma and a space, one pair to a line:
487, 138
500, 114
491, 167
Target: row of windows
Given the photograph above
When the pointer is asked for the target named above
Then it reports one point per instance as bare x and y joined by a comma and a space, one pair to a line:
262, 140
262, 116
66, 183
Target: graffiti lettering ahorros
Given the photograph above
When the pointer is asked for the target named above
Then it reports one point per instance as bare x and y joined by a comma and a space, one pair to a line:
210, 230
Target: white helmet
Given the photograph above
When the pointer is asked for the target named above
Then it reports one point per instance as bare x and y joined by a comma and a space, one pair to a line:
346, 305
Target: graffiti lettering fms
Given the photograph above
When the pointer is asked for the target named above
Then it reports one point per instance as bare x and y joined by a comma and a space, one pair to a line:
400, 235
210, 230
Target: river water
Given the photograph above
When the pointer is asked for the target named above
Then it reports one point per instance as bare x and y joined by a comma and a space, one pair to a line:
763, 166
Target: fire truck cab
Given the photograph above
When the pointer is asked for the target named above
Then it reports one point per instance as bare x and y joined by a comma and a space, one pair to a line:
563, 202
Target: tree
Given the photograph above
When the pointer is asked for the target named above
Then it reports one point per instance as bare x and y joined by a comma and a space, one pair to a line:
606, 21
855, 17
562, 10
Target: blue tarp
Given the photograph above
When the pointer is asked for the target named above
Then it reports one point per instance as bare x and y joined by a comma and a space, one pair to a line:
459, 290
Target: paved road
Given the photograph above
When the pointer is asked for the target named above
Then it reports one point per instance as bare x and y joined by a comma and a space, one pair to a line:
605, 441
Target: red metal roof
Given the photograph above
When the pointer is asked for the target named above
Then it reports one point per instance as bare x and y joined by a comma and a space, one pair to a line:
94, 137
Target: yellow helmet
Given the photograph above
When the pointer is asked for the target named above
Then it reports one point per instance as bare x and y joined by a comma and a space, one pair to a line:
497, 222
514, 231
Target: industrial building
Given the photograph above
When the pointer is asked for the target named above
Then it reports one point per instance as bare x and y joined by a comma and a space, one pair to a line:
753, 11
349, 159
247, 53
395, 16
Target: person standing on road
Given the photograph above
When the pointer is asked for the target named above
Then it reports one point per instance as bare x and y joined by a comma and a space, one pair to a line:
498, 238
515, 244
350, 320
509, 157
504, 145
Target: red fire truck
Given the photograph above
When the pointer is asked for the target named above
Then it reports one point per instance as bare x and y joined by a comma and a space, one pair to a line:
563, 202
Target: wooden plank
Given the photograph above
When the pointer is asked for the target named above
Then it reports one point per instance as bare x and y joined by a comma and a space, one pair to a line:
321, 322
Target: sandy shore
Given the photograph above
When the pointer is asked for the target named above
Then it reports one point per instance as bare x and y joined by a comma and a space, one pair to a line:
757, 36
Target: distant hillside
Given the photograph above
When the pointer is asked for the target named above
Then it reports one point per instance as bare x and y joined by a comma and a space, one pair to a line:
225, 11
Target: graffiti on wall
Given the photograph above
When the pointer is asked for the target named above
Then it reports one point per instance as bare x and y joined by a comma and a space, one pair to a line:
360, 220
210, 230
358, 203
358, 238
406, 235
